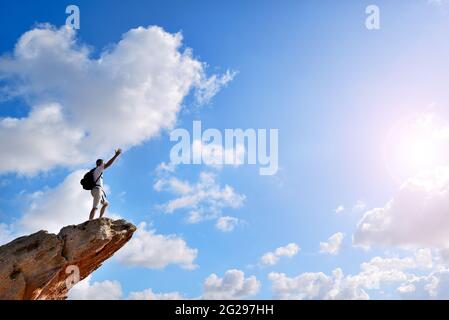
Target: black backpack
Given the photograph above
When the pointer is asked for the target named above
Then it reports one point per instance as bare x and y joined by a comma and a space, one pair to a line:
88, 182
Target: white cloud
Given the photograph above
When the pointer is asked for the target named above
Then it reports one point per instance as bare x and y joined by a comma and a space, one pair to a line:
81, 107
51, 209
41, 139
333, 244
233, 285
54, 208
148, 294
154, 251
315, 286
105, 290
173, 185
165, 168
339, 209
434, 286
272, 257
204, 199
373, 274
226, 224
380, 270
57, 207
210, 87
406, 289
112, 290
415, 217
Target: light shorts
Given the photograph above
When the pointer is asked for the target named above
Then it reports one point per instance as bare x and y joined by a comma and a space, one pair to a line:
99, 197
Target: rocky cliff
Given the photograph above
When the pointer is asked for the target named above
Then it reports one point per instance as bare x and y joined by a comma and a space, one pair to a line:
43, 266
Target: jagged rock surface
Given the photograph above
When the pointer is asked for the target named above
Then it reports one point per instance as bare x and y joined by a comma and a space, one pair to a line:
36, 267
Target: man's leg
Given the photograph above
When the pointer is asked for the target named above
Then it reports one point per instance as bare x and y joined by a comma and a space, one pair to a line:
97, 199
92, 213
103, 209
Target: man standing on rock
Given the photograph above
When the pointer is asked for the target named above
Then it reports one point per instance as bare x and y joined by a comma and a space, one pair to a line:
97, 191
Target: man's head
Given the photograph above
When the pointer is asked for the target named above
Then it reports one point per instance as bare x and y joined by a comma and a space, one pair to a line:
99, 162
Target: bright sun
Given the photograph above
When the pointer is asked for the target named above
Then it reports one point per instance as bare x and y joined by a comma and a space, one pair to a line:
416, 144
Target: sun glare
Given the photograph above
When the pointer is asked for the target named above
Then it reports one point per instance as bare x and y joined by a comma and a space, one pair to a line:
416, 144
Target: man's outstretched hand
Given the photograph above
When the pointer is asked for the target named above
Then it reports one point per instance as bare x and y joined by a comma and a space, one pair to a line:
111, 161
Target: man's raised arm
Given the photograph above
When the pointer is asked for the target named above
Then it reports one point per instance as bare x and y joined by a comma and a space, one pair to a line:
111, 161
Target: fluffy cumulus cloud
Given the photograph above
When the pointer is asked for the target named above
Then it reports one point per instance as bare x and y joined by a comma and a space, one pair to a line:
39, 141
112, 290
390, 270
105, 290
233, 285
53, 208
333, 244
203, 200
317, 285
82, 107
155, 251
434, 286
373, 274
415, 217
272, 257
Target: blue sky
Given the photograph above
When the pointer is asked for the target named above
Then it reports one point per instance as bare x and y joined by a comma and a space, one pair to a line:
342, 97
